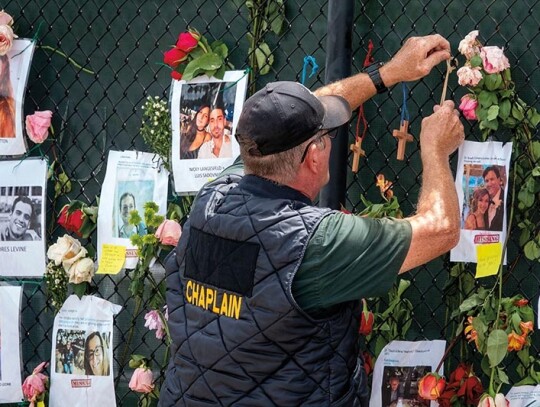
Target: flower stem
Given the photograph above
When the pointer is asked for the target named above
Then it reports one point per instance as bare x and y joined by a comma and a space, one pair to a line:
71, 60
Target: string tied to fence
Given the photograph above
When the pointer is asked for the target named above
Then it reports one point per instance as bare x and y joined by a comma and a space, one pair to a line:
402, 135
361, 124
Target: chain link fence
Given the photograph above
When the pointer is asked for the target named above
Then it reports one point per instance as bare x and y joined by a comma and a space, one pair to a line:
122, 43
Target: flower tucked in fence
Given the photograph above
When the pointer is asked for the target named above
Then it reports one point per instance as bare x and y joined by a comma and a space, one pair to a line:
193, 56
37, 126
35, 386
6, 32
431, 386
79, 218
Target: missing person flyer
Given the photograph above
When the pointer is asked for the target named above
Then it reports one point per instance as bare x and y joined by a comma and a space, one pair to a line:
132, 179
22, 217
82, 353
10, 359
482, 189
204, 114
399, 368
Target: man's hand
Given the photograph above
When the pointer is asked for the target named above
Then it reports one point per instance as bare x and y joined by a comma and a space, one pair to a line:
442, 132
415, 59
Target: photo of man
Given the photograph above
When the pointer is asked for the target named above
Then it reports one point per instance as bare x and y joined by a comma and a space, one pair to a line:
494, 184
21, 217
219, 146
400, 386
126, 205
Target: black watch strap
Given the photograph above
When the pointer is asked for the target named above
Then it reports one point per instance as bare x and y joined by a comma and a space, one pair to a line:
373, 72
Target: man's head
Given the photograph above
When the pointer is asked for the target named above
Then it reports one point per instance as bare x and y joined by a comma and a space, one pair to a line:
217, 122
280, 121
394, 383
492, 180
21, 215
127, 204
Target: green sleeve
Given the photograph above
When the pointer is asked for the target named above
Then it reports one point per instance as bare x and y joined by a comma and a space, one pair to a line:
348, 258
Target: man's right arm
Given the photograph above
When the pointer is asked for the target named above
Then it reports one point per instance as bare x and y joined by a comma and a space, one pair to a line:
436, 224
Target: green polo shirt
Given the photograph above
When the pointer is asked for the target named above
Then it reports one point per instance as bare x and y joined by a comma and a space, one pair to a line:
350, 257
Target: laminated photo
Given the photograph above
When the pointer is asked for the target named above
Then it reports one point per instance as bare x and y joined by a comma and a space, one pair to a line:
482, 188
204, 114
10, 358
399, 368
132, 179
14, 69
22, 217
82, 354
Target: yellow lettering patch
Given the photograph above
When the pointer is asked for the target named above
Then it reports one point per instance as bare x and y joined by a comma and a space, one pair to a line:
210, 299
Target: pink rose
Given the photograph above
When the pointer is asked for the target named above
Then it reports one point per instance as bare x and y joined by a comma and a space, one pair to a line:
173, 57
468, 76
37, 126
494, 60
6, 38
468, 107
169, 232
34, 385
469, 46
499, 401
5, 18
153, 321
141, 381
187, 42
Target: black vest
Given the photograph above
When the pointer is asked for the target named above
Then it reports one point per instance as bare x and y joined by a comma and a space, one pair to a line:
239, 338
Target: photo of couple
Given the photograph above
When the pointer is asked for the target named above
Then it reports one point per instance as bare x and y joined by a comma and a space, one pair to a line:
484, 197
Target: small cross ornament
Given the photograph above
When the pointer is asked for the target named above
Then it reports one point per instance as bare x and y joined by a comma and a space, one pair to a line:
403, 137
356, 148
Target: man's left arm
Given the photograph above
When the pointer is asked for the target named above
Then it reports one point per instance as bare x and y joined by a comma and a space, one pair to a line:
412, 62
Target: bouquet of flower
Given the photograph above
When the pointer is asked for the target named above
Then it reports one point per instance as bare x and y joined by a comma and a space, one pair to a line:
68, 264
192, 56
493, 100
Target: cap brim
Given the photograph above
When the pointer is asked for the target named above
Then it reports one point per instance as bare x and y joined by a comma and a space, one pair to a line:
337, 111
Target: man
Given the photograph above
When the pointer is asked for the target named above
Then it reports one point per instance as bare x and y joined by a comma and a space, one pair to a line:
17, 229
263, 288
393, 393
219, 146
126, 230
493, 217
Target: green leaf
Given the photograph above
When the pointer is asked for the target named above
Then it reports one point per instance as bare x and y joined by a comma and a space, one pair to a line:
493, 112
535, 172
517, 112
504, 108
472, 302
486, 99
497, 344
265, 59
220, 49
532, 250
492, 81
80, 289
503, 377
199, 66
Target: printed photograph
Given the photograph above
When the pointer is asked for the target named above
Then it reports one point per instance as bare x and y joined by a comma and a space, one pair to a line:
20, 213
400, 386
130, 196
206, 116
14, 68
483, 191
69, 352
96, 353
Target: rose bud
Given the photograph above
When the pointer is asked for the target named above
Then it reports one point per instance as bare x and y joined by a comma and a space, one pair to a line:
366, 320
169, 232
431, 386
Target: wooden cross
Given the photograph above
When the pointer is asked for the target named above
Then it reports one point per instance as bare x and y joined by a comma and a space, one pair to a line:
356, 148
402, 137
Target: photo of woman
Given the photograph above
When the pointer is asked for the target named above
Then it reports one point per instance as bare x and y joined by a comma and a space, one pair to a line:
479, 205
7, 101
195, 134
96, 359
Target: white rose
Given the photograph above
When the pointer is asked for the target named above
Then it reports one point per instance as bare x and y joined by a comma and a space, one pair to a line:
66, 251
82, 270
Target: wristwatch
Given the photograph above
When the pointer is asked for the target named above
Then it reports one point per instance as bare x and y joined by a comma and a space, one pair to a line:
373, 72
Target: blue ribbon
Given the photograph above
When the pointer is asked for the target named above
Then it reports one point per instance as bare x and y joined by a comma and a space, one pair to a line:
404, 110
309, 60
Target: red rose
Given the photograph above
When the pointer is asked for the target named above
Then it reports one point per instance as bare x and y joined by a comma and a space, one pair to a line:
186, 42
73, 221
368, 363
176, 75
521, 302
173, 57
471, 390
462, 371
431, 386
366, 320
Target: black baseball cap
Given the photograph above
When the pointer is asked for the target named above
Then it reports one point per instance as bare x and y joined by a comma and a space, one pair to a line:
284, 114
